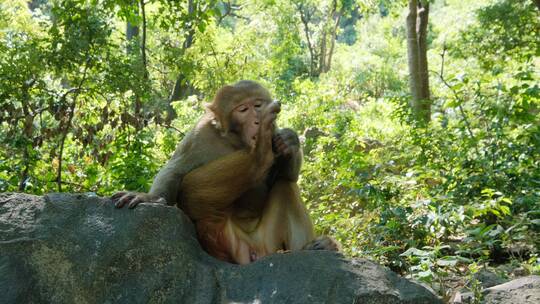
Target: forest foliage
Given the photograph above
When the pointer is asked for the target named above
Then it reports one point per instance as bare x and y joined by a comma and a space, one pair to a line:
95, 95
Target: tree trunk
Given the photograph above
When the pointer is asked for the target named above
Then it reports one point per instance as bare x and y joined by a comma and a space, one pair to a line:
425, 103
143, 39
27, 132
337, 17
305, 18
322, 52
412, 52
182, 88
417, 20
132, 31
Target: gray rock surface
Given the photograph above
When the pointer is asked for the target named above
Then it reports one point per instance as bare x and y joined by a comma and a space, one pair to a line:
525, 290
75, 248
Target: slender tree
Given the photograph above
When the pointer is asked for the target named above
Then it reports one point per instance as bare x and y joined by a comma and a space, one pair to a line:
320, 28
182, 87
132, 31
417, 23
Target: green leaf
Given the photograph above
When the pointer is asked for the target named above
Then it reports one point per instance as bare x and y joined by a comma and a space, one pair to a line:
424, 275
415, 252
505, 209
447, 261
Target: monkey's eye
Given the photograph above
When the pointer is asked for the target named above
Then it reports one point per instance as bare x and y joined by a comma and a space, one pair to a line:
242, 109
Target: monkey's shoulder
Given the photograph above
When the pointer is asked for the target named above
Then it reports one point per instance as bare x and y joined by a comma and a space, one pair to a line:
204, 143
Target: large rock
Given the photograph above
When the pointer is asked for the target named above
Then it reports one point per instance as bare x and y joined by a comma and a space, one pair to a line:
524, 290
66, 248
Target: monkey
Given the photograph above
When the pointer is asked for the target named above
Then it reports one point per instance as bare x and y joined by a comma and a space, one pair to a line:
235, 175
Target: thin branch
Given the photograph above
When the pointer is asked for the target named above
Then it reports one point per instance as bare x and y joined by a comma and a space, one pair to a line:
442, 59
457, 97
175, 129
230, 12
77, 185
29, 115
214, 55
66, 127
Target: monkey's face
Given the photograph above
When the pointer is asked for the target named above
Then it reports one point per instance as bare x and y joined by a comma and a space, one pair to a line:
245, 120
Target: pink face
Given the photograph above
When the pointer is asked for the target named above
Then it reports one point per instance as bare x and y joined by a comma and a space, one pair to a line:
246, 119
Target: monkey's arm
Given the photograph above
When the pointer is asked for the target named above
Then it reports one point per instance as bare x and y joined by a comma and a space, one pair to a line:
166, 184
164, 189
289, 155
212, 188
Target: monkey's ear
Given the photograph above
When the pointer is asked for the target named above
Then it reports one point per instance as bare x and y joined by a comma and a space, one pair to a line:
220, 118
222, 106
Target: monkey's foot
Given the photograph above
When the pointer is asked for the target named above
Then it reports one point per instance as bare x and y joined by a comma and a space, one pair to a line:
323, 243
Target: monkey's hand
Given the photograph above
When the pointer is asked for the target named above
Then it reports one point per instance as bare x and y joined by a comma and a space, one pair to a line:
285, 143
132, 199
286, 146
263, 146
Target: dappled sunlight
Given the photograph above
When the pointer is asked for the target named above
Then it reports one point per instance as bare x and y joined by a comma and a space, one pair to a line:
421, 148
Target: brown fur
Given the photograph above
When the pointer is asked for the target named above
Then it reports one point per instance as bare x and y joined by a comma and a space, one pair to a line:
243, 199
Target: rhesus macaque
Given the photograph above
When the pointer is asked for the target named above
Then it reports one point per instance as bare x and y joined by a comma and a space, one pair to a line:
235, 175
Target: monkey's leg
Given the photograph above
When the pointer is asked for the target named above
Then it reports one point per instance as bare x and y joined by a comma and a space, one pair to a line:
225, 241
285, 223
